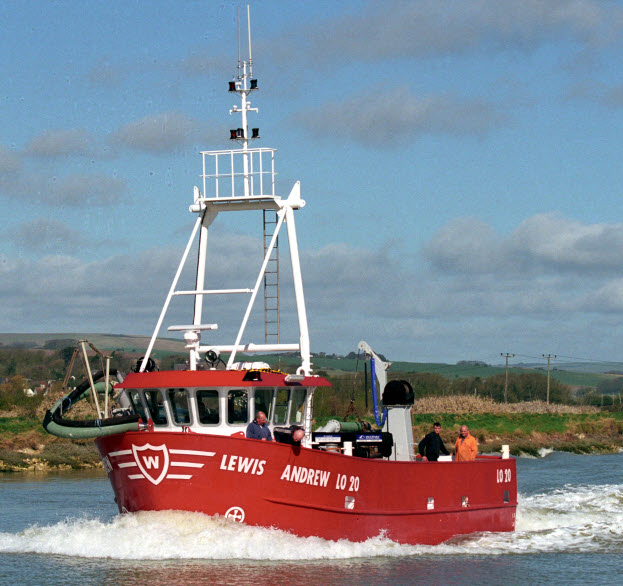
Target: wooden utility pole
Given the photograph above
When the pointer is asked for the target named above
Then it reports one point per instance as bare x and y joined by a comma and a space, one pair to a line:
549, 357
507, 356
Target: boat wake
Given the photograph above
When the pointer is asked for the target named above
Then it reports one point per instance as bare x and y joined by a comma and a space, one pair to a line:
569, 519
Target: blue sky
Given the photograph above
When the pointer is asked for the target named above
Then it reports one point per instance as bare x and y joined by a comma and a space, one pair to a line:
459, 160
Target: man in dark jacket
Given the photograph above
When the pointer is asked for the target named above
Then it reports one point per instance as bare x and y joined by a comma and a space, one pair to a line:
258, 429
432, 444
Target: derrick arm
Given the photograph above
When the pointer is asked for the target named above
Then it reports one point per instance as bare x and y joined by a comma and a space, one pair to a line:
381, 366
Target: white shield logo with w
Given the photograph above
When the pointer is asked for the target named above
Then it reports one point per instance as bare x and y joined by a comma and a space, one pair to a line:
153, 461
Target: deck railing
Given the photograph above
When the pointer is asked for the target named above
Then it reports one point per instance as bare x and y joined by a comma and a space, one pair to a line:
238, 173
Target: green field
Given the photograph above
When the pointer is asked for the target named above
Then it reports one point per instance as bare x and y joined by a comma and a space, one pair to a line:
104, 342
526, 424
576, 375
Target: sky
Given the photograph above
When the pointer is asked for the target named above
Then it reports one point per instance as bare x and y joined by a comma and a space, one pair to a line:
460, 164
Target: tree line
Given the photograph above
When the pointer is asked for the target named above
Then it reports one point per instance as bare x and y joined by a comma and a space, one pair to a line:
24, 368
352, 392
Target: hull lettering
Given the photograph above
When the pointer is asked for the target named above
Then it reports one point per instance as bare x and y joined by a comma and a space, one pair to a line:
303, 475
242, 464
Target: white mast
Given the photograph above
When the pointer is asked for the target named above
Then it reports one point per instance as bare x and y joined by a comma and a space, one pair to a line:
226, 187
244, 85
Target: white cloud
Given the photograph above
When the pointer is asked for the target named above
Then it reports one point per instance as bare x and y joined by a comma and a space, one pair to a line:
570, 245
606, 299
541, 244
593, 90
44, 235
62, 293
124, 293
78, 189
385, 30
198, 63
397, 117
107, 75
10, 162
82, 190
466, 245
156, 133
453, 308
546, 285
54, 143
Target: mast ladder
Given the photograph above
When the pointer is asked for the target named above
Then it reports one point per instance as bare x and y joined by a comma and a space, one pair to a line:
271, 281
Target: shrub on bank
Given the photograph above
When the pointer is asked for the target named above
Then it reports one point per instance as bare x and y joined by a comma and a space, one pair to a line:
12, 397
76, 455
11, 460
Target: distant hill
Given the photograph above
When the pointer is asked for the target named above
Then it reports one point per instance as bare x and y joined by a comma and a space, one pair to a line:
580, 374
104, 342
596, 367
575, 378
335, 366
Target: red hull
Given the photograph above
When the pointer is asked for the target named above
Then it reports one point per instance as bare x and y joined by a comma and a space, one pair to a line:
309, 492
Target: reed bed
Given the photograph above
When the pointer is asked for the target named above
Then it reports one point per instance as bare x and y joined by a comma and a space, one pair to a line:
461, 404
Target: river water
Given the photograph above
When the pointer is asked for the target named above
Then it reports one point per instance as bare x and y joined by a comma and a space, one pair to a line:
65, 529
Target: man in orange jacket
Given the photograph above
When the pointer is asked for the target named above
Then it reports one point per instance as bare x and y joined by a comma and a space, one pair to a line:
466, 446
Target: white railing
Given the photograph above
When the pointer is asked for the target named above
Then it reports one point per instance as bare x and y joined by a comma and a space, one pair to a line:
238, 173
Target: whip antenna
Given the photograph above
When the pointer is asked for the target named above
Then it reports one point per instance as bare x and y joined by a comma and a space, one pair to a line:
238, 42
249, 30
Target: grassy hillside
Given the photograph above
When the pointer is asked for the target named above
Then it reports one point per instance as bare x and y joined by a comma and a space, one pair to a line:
105, 342
334, 366
453, 371
576, 375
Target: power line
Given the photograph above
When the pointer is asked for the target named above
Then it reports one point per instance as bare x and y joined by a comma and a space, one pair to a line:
528, 356
591, 360
571, 358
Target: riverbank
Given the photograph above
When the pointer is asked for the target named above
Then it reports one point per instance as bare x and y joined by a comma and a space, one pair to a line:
527, 427
26, 447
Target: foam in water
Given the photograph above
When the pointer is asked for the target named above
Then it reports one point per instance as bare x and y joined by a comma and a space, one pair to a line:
572, 518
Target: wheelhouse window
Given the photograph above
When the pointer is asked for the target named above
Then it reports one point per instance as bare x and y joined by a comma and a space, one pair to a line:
137, 404
298, 405
281, 406
178, 399
237, 407
155, 404
208, 407
264, 402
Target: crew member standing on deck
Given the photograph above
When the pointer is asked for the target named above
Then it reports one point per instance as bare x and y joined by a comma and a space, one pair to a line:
258, 429
432, 444
466, 446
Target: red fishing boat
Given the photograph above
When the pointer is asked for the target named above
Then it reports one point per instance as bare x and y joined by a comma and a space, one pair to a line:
175, 440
